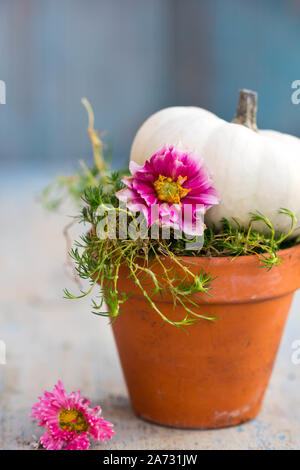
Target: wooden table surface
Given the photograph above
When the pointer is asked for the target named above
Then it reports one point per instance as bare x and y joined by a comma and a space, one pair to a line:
49, 338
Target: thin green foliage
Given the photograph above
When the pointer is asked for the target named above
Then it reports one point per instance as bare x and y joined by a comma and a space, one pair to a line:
100, 259
72, 187
235, 240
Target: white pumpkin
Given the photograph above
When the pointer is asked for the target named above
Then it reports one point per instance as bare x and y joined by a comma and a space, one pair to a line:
252, 170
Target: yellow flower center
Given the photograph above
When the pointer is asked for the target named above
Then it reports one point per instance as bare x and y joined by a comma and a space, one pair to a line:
169, 190
72, 420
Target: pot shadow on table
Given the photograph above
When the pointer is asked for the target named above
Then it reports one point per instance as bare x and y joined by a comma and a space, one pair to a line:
134, 433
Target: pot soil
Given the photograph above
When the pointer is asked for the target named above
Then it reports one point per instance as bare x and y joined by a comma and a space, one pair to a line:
216, 374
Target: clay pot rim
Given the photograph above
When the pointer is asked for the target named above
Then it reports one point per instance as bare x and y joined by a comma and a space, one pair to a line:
237, 259
230, 273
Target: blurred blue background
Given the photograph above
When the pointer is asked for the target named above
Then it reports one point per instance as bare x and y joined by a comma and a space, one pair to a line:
131, 58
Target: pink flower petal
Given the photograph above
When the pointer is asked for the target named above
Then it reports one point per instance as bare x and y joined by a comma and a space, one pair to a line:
47, 412
140, 194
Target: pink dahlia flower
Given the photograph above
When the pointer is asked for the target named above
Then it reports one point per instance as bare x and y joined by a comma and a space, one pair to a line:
69, 421
174, 181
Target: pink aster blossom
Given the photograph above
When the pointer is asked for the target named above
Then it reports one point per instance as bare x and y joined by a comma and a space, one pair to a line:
177, 183
69, 421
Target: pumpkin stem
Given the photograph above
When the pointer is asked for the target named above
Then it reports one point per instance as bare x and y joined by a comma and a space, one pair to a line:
246, 110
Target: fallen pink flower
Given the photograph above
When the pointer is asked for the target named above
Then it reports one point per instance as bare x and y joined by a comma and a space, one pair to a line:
69, 421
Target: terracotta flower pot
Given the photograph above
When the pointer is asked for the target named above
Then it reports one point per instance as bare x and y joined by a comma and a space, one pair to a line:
217, 374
